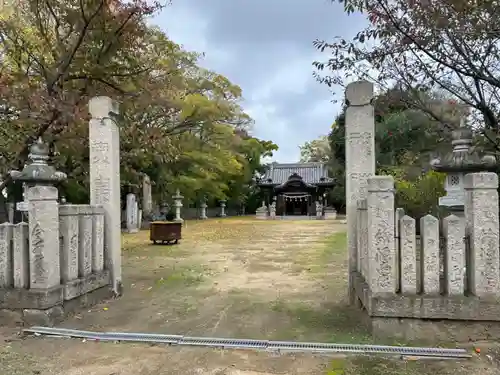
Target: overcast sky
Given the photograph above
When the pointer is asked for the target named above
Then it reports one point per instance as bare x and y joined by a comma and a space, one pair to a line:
265, 46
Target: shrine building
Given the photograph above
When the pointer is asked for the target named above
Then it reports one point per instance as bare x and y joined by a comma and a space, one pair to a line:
295, 188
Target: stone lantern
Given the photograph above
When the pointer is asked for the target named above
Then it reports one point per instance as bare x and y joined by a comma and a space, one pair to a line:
203, 209
43, 216
37, 171
178, 205
223, 208
462, 160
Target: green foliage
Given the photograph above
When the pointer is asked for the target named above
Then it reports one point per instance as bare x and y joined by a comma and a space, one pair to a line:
447, 50
317, 150
181, 124
419, 197
405, 141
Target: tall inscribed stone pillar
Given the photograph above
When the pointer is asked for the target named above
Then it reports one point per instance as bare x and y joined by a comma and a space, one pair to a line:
104, 143
147, 198
360, 160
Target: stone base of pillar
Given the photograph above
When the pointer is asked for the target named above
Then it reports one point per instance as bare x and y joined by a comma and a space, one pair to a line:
431, 332
203, 218
401, 316
51, 306
180, 220
132, 230
330, 214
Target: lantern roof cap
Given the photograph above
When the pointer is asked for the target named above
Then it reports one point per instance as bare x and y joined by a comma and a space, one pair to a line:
464, 158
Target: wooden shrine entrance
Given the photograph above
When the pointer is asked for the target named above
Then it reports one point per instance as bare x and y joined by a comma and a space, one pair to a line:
295, 204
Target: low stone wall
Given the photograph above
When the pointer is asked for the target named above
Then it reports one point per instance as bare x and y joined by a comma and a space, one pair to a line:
451, 272
79, 262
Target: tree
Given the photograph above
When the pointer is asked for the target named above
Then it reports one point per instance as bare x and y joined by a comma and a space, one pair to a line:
405, 141
432, 49
57, 54
181, 124
317, 150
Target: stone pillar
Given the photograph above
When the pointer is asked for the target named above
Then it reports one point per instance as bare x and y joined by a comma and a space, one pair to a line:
20, 255
178, 205
43, 223
429, 258
203, 210
10, 212
382, 251
408, 255
131, 213
454, 233
481, 216
104, 144
70, 228
85, 227
147, 198
360, 160
223, 208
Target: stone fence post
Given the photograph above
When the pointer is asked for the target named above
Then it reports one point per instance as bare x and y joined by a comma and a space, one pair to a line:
482, 227
381, 242
360, 160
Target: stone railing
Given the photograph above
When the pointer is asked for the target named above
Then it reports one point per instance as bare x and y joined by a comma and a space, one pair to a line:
82, 257
451, 272
79, 263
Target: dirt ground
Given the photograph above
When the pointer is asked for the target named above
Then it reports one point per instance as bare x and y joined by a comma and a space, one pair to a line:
242, 278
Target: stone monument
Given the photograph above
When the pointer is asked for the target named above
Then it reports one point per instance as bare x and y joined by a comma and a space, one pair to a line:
132, 214
104, 144
147, 202
360, 161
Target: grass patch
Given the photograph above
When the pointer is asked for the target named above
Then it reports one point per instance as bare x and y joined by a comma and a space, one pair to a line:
372, 366
183, 276
331, 322
335, 246
330, 251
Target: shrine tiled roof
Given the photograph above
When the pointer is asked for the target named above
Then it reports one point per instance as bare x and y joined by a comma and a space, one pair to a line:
311, 173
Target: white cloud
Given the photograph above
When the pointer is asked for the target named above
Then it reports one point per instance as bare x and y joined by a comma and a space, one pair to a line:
265, 47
